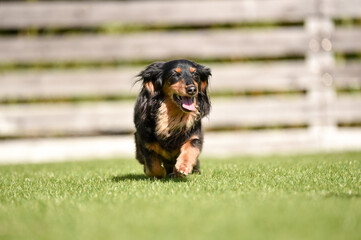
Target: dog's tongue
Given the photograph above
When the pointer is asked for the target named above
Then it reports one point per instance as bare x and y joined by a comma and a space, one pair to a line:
187, 103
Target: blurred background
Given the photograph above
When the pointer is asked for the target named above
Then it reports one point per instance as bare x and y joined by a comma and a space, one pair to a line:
286, 74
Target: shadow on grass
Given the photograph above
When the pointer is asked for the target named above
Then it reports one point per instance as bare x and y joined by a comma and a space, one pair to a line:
142, 177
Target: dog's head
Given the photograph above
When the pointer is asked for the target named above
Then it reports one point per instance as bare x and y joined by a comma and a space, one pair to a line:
183, 81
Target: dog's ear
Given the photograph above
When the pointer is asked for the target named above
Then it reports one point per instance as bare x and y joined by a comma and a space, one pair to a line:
204, 102
152, 78
204, 74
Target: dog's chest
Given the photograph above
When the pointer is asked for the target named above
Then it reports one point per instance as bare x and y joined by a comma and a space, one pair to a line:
171, 121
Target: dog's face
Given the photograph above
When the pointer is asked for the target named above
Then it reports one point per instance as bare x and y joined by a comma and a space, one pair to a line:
181, 84
182, 81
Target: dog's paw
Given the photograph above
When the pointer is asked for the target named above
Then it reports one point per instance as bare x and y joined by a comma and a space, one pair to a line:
183, 168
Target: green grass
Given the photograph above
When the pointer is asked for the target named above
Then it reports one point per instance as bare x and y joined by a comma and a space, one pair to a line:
275, 197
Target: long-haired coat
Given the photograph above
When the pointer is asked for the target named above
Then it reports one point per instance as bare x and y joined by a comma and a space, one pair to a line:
167, 117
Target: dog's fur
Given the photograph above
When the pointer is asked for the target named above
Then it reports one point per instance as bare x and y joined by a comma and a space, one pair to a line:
167, 116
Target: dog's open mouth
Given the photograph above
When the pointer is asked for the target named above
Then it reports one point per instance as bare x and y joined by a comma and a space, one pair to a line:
185, 103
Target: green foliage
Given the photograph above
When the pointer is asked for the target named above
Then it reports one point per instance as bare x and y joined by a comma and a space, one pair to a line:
276, 197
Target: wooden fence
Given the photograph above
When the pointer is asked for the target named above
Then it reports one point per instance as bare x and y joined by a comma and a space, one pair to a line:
290, 95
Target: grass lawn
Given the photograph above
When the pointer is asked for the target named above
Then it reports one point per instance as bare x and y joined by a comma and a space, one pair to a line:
274, 197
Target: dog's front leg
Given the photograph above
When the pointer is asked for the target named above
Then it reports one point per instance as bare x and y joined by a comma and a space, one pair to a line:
188, 155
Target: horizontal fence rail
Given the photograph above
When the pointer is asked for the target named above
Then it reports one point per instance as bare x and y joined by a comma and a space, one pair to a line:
93, 118
163, 45
53, 14
220, 145
230, 77
156, 45
78, 14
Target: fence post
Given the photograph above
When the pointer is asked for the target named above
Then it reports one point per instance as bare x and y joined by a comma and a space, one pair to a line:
320, 60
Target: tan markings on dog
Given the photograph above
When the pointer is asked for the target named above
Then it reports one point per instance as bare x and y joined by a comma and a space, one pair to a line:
203, 86
150, 87
178, 70
155, 147
156, 170
178, 88
172, 120
192, 69
188, 157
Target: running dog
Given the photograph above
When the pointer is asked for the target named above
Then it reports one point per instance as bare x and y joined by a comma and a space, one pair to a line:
167, 116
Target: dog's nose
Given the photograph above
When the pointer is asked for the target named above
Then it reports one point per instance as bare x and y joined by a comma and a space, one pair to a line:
191, 90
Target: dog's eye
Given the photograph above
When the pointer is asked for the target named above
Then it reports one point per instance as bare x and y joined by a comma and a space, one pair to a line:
196, 75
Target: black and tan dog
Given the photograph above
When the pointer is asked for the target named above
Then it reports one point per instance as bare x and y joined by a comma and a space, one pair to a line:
167, 116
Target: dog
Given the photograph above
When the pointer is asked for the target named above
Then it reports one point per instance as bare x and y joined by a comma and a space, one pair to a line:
167, 116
